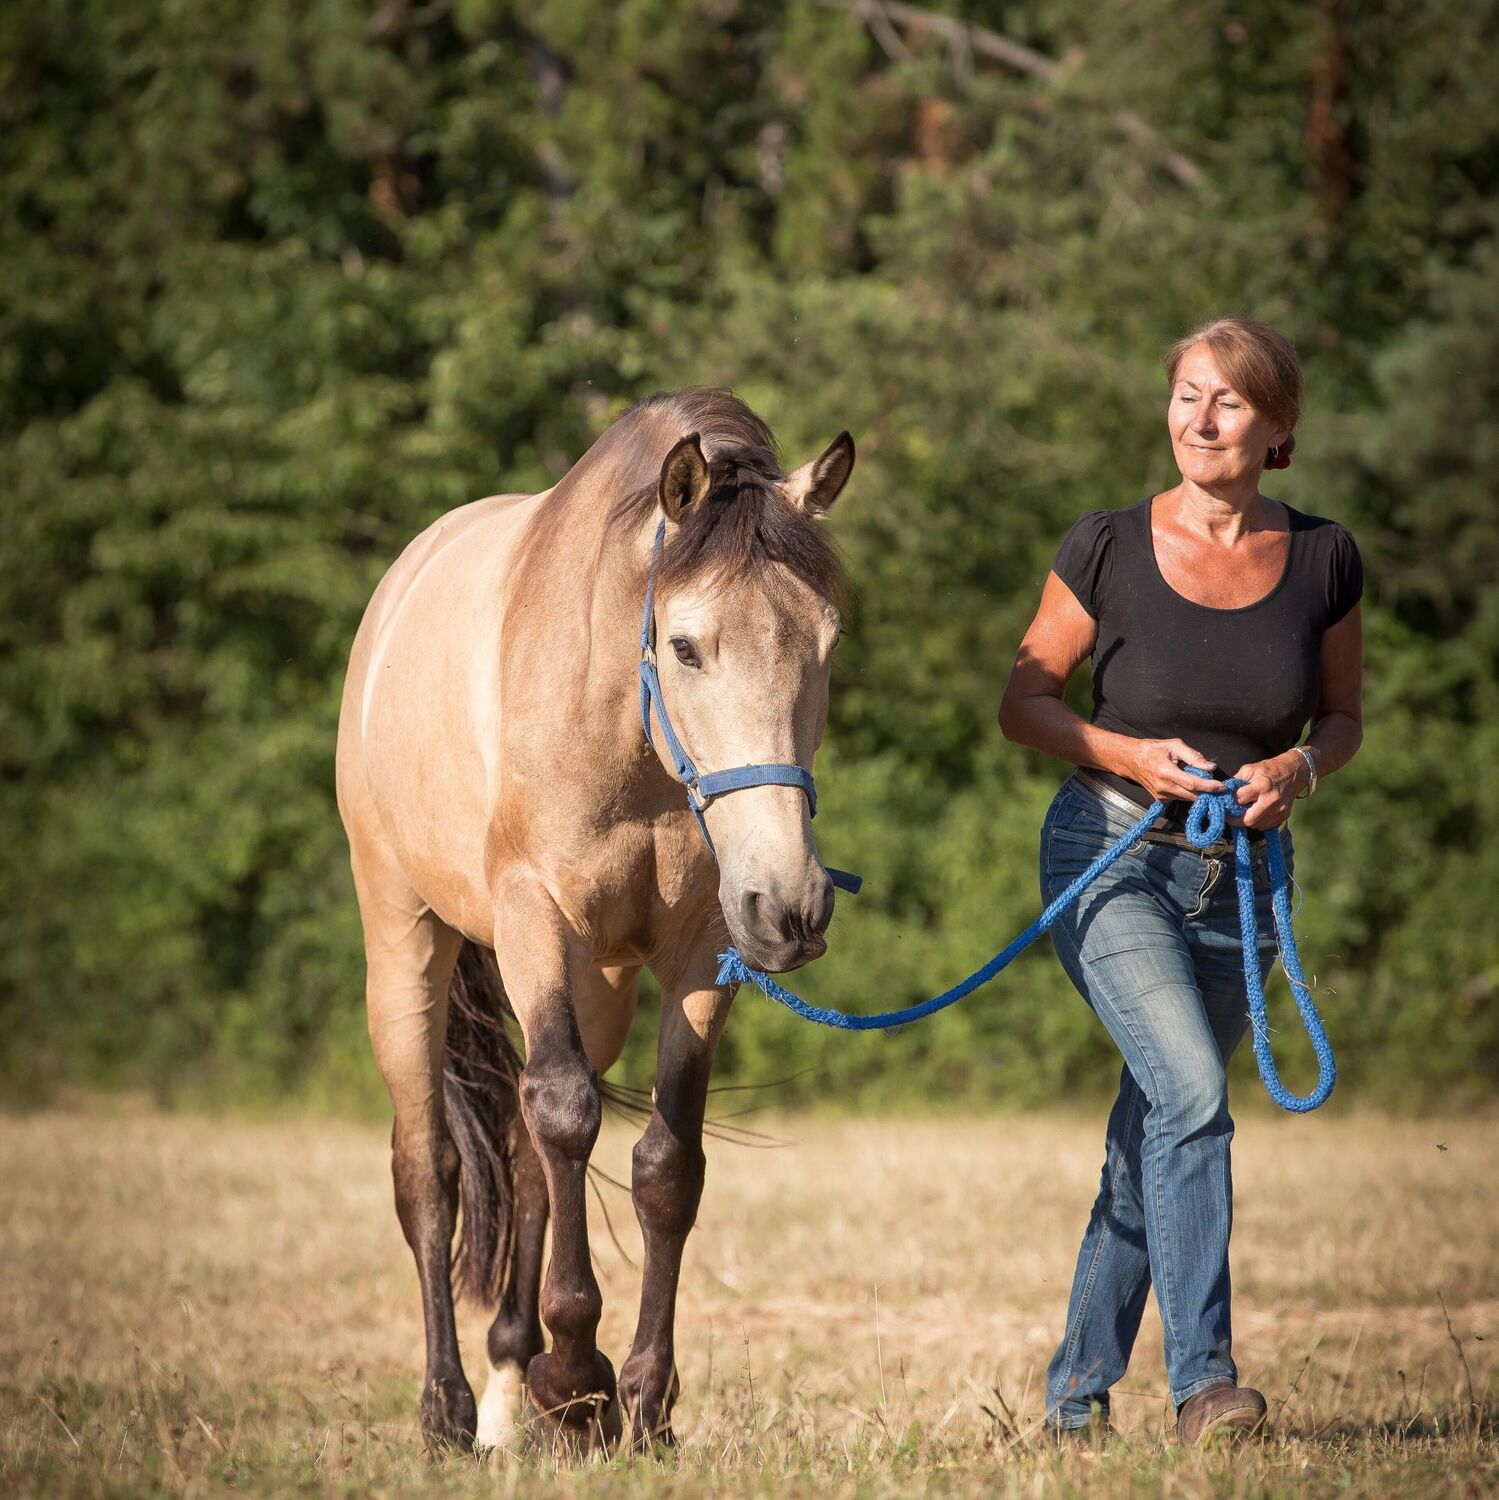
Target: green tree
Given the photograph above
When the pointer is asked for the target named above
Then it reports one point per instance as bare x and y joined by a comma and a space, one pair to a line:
286, 283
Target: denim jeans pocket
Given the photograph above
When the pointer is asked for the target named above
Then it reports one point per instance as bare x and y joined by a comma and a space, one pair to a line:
1081, 815
1078, 829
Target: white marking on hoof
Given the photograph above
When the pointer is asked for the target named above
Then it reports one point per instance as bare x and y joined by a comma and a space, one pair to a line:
500, 1408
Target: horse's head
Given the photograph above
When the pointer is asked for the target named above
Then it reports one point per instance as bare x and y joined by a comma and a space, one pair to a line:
746, 621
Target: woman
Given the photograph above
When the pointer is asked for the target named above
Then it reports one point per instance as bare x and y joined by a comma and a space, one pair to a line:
1219, 622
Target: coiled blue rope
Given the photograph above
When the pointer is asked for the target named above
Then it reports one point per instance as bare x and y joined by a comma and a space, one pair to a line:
1211, 813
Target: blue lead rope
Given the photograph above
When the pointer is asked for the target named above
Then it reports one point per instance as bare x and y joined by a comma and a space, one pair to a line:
1210, 814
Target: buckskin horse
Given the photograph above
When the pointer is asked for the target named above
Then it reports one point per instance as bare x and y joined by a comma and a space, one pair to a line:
521, 847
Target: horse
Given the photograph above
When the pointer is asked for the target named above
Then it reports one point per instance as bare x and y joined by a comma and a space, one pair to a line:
521, 847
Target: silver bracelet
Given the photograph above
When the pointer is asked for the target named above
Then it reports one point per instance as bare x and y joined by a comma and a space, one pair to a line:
1311, 769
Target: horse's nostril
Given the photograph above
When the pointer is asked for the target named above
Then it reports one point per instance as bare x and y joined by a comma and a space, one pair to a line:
822, 907
752, 913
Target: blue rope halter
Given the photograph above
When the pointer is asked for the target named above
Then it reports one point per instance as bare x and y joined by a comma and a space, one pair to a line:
1210, 813
701, 789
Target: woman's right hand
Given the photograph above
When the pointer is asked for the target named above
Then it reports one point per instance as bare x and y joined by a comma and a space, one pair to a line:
1157, 766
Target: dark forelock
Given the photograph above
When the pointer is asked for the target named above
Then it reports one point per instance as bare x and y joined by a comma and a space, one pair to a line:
745, 525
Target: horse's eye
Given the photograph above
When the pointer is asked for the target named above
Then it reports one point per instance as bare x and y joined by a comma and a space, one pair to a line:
685, 654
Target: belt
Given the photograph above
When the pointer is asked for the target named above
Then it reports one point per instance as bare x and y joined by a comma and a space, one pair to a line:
1218, 849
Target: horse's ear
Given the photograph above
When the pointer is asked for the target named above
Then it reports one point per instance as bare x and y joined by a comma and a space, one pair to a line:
684, 478
815, 486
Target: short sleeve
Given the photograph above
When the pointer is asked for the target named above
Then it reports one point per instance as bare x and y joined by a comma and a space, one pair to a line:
1084, 561
1345, 575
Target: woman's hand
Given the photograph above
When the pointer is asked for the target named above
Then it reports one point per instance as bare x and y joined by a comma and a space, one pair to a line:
1272, 788
1157, 766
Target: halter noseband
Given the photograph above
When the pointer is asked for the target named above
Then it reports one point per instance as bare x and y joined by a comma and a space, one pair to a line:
701, 789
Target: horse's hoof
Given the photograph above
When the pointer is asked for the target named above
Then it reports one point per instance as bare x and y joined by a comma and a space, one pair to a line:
449, 1414
610, 1427
645, 1439
583, 1416
650, 1416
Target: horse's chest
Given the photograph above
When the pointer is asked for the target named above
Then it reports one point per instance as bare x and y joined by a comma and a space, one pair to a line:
642, 890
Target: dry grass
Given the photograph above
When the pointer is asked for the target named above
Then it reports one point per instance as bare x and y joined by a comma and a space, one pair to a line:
188, 1305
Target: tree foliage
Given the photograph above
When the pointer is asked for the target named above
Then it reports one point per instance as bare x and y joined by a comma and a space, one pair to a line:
285, 282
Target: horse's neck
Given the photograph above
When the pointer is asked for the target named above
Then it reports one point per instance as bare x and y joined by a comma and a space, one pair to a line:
578, 620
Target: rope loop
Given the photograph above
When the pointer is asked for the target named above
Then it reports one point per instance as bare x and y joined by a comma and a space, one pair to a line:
1211, 811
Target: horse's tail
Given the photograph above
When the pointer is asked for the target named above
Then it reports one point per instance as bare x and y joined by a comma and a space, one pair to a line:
481, 1098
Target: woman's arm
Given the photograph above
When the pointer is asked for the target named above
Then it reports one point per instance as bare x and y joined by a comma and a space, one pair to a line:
1032, 712
1337, 729
1338, 726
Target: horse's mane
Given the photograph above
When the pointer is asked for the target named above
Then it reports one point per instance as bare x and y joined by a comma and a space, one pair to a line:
746, 525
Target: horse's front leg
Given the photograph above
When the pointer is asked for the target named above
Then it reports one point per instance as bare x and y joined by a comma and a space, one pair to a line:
667, 1184
604, 1001
573, 1386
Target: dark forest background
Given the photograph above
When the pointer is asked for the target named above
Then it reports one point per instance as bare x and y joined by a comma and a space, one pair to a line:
284, 281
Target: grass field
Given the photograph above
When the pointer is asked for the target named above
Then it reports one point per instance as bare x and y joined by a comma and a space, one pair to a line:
190, 1305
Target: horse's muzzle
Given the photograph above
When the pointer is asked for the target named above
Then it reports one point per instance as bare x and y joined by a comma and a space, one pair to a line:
777, 936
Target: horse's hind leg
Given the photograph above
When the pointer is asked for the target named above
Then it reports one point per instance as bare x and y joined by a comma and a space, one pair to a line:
667, 1186
411, 954
515, 1335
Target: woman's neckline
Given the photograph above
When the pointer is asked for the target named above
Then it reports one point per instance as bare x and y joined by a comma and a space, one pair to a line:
1232, 609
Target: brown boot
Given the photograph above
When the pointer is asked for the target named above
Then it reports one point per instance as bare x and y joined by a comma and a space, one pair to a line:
1225, 1411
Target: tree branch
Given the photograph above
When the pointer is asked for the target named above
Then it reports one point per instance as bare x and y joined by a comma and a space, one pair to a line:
879, 15
872, 13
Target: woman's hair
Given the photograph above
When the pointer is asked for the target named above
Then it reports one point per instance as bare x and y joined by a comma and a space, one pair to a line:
1258, 362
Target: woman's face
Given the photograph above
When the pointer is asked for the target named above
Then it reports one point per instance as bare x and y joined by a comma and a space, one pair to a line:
1217, 436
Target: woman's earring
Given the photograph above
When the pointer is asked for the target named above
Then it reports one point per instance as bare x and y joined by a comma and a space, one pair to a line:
1274, 451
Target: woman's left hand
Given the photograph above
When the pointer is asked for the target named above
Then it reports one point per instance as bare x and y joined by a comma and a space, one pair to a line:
1272, 789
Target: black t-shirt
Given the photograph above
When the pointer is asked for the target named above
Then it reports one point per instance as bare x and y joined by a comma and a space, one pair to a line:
1238, 685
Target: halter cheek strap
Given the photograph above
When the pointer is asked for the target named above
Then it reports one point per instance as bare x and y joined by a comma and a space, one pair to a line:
701, 789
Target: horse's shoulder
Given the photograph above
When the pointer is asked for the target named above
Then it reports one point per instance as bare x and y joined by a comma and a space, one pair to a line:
434, 573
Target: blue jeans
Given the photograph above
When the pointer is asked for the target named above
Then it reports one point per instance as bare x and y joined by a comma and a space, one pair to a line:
1153, 946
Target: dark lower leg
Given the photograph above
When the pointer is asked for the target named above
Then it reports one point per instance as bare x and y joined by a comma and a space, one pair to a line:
667, 1187
668, 1183
561, 1104
424, 1164
515, 1334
